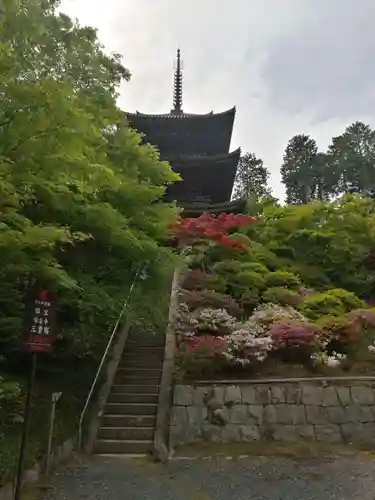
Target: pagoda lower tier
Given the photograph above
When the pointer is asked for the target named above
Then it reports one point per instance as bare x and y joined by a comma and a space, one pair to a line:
195, 209
205, 179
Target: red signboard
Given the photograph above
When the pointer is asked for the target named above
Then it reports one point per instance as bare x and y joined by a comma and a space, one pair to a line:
40, 320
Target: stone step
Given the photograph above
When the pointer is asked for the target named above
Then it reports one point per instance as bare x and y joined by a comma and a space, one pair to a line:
118, 397
136, 348
125, 379
111, 446
143, 362
143, 352
122, 433
146, 338
130, 409
147, 342
139, 372
128, 420
135, 389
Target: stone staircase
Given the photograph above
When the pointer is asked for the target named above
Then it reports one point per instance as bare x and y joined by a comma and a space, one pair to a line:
127, 425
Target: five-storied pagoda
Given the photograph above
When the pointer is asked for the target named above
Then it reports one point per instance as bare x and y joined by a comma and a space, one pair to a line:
197, 147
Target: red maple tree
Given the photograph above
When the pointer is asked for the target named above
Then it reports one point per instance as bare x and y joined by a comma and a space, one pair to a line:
216, 228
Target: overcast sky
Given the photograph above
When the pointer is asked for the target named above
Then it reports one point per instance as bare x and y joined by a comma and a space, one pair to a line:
289, 66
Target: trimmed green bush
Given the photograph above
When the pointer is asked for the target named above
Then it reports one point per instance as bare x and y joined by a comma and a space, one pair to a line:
281, 295
334, 302
282, 278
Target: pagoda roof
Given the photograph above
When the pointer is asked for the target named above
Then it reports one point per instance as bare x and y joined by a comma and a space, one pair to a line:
209, 179
203, 161
195, 209
187, 134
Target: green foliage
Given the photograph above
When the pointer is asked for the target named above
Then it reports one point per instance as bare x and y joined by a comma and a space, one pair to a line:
81, 205
245, 281
282, 279
351, 157
282, 296
10, 402
80, 197
333, 302
256, 267
299, 169
326, 244
251, 178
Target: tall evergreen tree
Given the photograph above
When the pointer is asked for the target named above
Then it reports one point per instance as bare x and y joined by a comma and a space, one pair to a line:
252, 177
299, 169
352, 160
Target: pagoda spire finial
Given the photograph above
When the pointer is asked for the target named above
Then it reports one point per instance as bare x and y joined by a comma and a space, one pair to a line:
177, 86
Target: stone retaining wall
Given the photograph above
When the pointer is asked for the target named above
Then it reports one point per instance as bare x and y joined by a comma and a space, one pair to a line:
282, 411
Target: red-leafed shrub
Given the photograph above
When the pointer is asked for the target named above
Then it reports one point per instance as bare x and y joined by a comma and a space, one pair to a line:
201, 357
215, 228
213, 345
294, 340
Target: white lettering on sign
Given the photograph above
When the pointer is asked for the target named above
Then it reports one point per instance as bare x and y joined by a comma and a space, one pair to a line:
41, 318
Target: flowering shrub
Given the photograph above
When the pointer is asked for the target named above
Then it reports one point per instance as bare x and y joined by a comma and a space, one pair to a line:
216, 321
244, 348
238, 311
290, 334
267, 314
201, 321
366, 316
339, 331
214, 228
215, 345
185, 324
209, 298
201, 356
332, 361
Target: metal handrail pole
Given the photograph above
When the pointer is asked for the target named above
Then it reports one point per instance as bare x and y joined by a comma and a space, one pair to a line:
93, 385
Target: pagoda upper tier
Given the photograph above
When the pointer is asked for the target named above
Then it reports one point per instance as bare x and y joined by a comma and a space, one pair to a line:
176, 134
197, 147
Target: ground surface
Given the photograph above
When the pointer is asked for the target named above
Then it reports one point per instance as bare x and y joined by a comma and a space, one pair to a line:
219, 478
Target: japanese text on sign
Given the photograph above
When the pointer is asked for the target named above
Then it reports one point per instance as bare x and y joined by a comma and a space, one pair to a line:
40, 312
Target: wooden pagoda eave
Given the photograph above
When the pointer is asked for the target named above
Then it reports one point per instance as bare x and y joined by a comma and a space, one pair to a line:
203, 161
195, 209
177, 133
181, 116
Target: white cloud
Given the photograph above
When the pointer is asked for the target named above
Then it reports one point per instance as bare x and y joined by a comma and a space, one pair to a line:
278, 61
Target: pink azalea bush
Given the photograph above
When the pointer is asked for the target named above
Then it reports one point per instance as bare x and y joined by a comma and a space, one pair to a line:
294, 340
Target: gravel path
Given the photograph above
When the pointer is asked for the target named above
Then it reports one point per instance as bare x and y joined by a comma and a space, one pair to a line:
252, 478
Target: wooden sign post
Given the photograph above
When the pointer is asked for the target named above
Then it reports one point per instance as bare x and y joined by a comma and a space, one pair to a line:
39, 334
